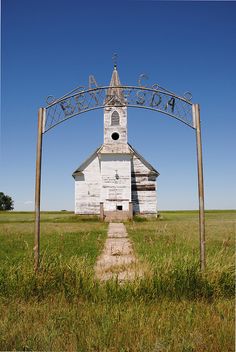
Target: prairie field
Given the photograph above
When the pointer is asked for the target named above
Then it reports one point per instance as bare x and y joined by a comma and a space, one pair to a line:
173, 307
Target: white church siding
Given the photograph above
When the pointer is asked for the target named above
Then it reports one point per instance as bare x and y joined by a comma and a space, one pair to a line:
88, 189
143, 185
109, 128
116, 181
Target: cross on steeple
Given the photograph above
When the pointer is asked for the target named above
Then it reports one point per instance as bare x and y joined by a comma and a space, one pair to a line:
114, 59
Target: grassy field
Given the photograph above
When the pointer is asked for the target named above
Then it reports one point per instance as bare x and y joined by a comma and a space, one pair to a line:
63, 308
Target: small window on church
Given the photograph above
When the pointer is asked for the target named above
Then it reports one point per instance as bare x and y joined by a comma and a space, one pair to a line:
115, 119
119, 207
115, 136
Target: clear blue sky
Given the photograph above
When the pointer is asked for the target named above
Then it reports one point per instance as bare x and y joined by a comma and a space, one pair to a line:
50, 46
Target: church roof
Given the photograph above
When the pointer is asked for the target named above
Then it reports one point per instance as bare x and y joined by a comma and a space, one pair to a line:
115, 95
86, 162
115, 80
116, 148
144, 161
83, 166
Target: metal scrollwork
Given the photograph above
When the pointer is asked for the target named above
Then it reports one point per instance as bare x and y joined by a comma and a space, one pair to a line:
155, 86
140, 97
188, 96
142, 77
50, 99
155, 98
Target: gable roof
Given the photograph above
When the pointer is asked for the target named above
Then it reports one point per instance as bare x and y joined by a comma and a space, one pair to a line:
144, 161
96, 152
86, 162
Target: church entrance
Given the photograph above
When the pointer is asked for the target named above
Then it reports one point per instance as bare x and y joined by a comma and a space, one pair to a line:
116, 211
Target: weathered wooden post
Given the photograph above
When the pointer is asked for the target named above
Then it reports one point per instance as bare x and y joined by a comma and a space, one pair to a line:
197, 125
41, 113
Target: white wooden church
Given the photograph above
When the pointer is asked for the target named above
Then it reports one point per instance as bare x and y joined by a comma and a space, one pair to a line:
115, 182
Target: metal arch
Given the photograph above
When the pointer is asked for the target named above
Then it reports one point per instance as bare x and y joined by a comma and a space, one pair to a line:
90, 90
193, 122
70, 105
132, 106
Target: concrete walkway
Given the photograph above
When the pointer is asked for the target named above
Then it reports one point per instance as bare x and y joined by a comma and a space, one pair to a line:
117, 260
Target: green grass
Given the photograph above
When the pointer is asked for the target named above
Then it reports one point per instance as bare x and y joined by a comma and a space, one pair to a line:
173, 307
62, 236
46, 216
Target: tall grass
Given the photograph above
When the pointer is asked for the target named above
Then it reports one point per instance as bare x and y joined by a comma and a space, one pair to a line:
173, 307
74, 279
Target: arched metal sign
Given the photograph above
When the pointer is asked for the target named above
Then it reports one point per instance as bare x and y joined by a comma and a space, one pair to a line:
153, 98
82, 100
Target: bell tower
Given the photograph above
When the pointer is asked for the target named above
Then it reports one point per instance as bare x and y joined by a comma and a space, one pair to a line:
115, 155
115, 114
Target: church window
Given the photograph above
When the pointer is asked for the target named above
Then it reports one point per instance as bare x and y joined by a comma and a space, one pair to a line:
115, 119
115, 136
119, 207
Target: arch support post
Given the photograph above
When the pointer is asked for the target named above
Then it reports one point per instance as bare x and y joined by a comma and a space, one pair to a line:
41, 114
197, 125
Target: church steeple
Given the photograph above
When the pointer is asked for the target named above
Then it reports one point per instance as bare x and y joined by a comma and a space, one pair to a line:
115, 80
115, 114
115, 95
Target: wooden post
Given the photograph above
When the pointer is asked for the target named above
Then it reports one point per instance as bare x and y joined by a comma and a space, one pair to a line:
197, 125
130, 210
37, 188
101, 211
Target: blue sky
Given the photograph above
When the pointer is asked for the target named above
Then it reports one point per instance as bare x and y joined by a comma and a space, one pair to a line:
50, 46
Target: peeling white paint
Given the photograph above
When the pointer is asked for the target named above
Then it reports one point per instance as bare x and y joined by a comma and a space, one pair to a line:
115, 175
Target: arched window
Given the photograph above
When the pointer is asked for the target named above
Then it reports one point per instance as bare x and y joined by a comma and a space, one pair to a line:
115, 119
